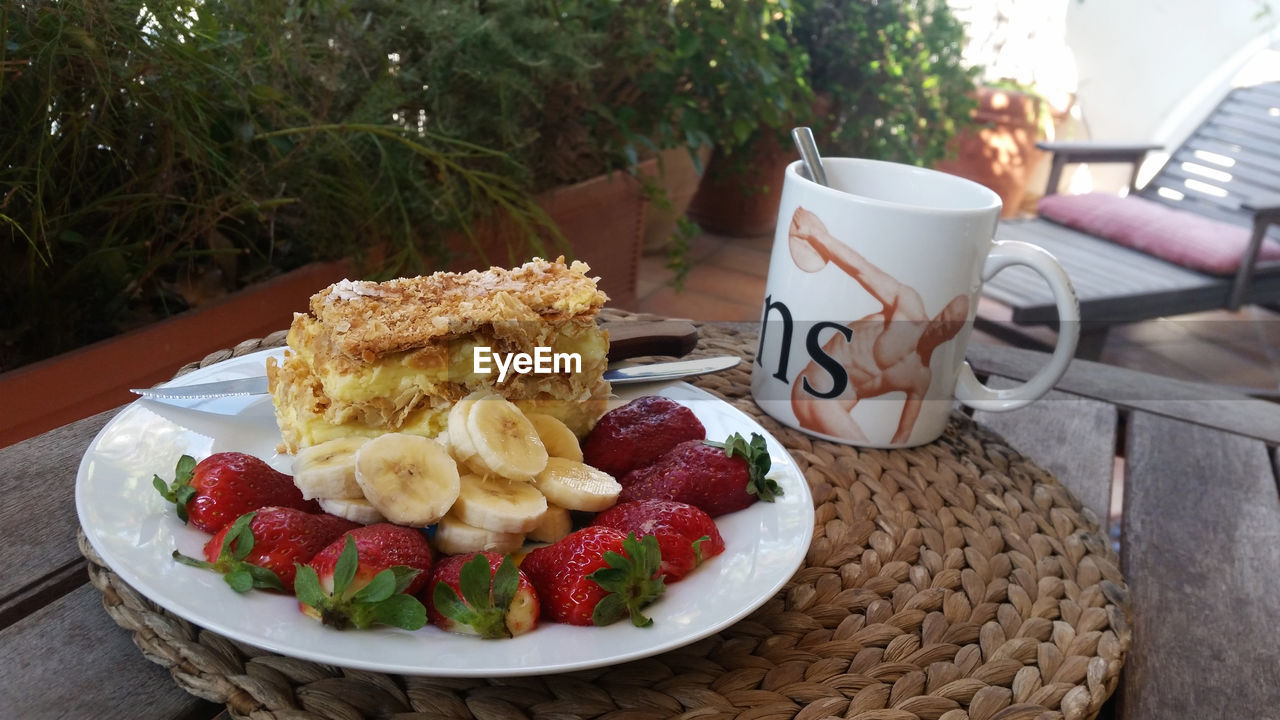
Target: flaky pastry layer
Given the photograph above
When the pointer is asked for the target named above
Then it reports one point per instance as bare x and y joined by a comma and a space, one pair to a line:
395, 356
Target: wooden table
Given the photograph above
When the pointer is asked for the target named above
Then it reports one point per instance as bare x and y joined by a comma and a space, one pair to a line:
1199, 535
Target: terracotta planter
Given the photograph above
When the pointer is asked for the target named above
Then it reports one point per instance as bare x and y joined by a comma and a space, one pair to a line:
602, 220
97, 377
740, 199
678, 177
1000, 151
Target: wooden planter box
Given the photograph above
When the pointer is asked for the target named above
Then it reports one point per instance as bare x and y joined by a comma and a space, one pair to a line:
602, 220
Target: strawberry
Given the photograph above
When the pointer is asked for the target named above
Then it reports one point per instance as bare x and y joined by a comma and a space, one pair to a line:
481, 594
719, 478
260, 548
596, 576
636, 434
686, 535
367, 577
226, 485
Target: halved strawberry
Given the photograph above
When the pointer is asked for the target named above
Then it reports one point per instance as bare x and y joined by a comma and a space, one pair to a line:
262, 548
368, 577
686, 535
596, 576
222, 487
481, 594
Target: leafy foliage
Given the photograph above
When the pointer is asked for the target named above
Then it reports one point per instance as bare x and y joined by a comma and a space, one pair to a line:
889, 75
156, 153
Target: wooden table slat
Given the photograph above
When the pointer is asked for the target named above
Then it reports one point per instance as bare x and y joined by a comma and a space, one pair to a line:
68, 660
1201, 545
1206, 405
1072, 437
40, 476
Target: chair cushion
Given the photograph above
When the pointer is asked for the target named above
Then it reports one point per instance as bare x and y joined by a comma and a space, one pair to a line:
1178, 236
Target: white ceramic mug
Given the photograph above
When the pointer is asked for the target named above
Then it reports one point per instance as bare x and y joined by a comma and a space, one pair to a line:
873, 285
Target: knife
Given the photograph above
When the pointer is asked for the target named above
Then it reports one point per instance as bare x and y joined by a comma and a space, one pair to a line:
626, 340
649, 372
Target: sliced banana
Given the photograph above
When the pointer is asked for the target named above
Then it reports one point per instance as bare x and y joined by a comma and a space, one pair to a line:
556, 436
328, 470
354, 509
577, 486
555, 525
459, 442
498, 504
505, 441
410, 479
455, 537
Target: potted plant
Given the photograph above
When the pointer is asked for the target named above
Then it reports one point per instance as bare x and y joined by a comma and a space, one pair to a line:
999, 149
887, 82
743, 83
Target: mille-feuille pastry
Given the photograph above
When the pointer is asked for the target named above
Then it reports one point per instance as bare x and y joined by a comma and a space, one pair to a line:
371, 358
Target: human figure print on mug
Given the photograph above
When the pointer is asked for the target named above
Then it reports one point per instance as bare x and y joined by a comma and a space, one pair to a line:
884, 352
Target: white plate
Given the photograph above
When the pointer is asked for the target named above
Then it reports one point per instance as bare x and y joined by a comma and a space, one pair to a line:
134, 531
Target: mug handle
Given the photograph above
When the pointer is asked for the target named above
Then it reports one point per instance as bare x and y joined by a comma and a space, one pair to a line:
973, 393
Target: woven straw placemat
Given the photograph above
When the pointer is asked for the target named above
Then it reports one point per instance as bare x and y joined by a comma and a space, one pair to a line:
955, 580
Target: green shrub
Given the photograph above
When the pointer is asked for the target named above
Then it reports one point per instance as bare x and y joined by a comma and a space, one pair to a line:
890, 76
155, 152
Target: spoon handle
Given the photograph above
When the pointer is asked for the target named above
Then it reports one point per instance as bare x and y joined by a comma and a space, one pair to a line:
803, 138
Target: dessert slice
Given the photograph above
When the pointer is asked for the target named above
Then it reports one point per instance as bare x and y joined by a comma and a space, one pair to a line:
371, 358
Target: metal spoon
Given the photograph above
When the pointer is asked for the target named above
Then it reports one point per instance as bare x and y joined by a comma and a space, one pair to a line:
803, 137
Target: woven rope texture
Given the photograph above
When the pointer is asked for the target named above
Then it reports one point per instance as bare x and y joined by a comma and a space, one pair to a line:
955, 580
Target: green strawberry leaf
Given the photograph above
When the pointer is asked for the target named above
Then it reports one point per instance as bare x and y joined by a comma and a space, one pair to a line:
179, 492
239, 579
187, 560
306, 585
402, 611
756, 453
345, 569
238, 542
486, 596
265, 578
610, 609
506, 582
404, 576
381, 587
185, 469
697, 549
631, 580
451, 606
476, 583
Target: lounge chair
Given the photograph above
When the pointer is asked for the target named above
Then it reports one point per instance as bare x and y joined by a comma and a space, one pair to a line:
1203, 234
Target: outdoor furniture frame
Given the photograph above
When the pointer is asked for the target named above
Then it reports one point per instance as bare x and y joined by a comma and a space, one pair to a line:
1228, 169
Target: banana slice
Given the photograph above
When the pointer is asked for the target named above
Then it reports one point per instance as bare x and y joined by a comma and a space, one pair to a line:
328, 470
354, 509
505, 441
410, 479
577, 486
556, 436
454, 537
459, 442
498, 504
555, 525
